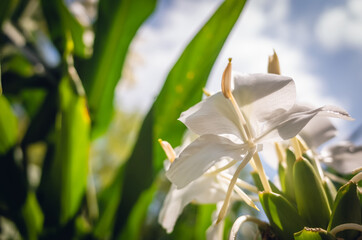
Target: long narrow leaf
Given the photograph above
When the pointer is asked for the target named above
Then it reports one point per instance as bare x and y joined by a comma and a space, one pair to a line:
117, 24
64, 181
181, 90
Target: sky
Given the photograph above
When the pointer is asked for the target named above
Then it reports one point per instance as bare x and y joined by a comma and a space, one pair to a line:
319, 44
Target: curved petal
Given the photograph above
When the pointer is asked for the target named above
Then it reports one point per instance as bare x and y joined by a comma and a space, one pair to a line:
261, 96
200, 155
318, 131
344, 157
204, 190
213, 115
289, 124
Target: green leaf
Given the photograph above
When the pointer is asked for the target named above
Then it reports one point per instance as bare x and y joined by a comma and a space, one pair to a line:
8, 126
330, 189
6, 9
259, 185
181, 90
346, 209
289, 185
313, 234
137, 217
18, 64
64, 181
282, 215
118, 22
43, 120
30, 221
62, 23
108, 203
77, 31
312, 201
203, 219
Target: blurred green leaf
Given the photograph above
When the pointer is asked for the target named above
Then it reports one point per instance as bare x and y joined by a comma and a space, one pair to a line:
203, 220
8, 126
282, 215
64, 181
184, 83
137, 217
108, 203
118, 22
6, 9
20, 65
182, 89
43, 120
30, 221
313, 234
62, 23
346, 209
312, 201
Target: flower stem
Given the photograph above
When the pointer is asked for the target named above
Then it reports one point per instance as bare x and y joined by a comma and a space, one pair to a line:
229, 192
240, 221
261, 172
346, 226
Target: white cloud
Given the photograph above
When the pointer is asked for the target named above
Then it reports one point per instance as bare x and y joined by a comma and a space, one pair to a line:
341, 26
161, 44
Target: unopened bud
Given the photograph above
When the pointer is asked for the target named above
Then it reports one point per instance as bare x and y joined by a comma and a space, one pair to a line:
273, 66
226, 80
170, 153
206, 92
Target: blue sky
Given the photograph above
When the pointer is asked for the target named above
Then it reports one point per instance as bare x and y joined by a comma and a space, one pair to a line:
319, 44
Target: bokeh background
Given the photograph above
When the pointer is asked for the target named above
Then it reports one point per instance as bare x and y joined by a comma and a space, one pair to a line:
319, 44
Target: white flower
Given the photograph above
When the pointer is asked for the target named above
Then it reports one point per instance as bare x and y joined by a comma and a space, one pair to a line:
211, 187
344, 157
318, 131
260, 109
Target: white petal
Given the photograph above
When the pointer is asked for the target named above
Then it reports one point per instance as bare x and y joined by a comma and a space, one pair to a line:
216, 230
204, 190
213, 115
262, 96
289, 124
344, 157
318, 131
200, 155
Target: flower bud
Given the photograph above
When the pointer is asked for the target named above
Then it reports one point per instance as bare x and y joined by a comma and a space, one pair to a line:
170, 153
273, 66
226, 81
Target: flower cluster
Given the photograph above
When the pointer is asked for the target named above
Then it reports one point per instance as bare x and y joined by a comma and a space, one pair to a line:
231, 128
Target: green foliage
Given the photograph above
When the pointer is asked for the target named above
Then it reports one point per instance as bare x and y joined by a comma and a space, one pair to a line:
181, 90
183, 85
283, 216
8, 126
64, 180
65, 105
346, 209
55, 108
288, 182
117, 24
313, 234
310, 196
